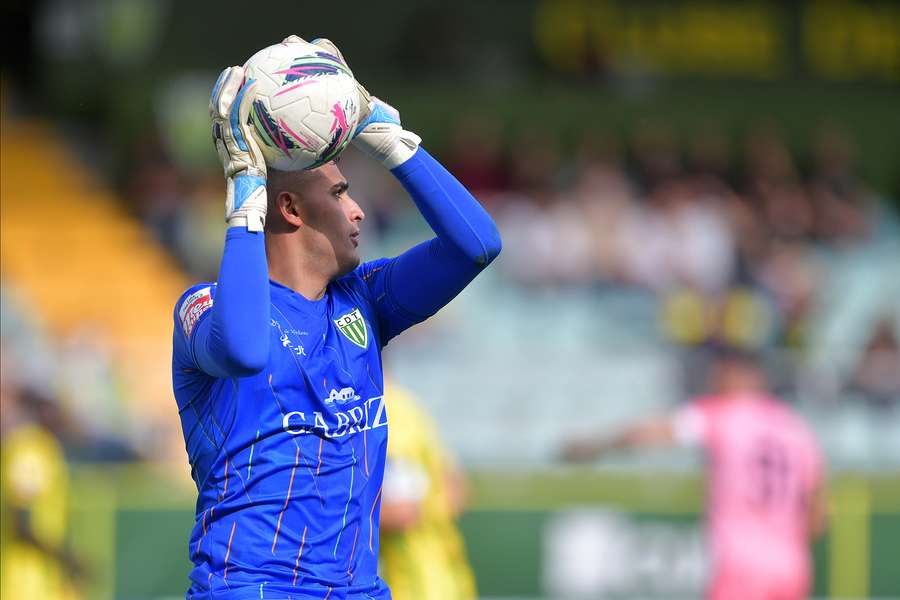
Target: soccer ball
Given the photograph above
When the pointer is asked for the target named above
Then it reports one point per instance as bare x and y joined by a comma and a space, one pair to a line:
306, 106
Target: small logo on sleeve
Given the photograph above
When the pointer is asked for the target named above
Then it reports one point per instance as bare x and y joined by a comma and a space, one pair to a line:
353, 326
193, 308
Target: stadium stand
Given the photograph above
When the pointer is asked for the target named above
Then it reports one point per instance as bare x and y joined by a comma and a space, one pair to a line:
107, 272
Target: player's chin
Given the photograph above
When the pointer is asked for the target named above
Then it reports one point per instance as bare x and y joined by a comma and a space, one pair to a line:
349, 262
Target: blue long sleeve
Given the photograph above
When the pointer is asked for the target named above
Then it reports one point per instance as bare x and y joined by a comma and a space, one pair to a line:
452, 212
233, 341
423, 279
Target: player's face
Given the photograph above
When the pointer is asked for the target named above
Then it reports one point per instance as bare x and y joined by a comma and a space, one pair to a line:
728, 377
332, 219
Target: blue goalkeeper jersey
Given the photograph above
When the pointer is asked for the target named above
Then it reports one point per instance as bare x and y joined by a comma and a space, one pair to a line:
288, 454
288, 463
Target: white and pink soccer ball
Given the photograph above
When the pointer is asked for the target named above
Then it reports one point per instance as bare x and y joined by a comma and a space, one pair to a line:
306, 106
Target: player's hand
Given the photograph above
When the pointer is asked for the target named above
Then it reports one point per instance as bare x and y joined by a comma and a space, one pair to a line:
242, 160
381, 136
379, 132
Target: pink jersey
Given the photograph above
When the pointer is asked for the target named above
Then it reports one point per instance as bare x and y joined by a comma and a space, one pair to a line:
765, 467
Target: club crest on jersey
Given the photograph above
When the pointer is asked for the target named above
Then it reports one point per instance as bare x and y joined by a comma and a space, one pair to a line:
353, 326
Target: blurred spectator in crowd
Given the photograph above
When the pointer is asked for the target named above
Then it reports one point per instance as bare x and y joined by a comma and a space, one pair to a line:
476, 158
709, 155
536, 215
156, 188
198, 235
35, 560
535, 163
422, 553
877, 376
768, 160
790, 276
787, 210
605, 200
655, 154
679, 238
838, 194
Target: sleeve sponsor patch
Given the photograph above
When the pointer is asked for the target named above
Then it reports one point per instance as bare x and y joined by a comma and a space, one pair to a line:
193, 308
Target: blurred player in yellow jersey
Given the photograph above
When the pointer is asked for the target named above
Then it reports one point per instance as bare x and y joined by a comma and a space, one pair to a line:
422, 551
33, 559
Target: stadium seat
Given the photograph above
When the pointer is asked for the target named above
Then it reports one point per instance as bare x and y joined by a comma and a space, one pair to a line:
80, 261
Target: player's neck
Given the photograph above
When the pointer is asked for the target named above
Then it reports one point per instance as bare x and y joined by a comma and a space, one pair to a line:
295, 269
739, 392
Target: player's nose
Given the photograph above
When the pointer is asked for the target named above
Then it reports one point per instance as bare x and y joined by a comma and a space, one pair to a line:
355, 213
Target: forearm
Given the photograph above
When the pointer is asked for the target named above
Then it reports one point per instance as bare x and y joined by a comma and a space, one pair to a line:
587, 448
456, 217
428, 276
425, 278
654, 432
233, 341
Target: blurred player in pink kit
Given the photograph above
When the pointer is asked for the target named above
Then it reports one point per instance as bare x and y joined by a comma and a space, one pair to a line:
765, 501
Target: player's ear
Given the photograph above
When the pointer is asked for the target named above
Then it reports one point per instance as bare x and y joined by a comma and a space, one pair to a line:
283, 203
288, 206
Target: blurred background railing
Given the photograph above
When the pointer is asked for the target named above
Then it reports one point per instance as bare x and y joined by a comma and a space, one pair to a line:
665, 175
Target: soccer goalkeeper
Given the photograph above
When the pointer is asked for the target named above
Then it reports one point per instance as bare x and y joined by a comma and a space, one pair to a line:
277, 365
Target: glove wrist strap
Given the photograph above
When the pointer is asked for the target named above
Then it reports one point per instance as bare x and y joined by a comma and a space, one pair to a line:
252, 220
246, 201
387, 143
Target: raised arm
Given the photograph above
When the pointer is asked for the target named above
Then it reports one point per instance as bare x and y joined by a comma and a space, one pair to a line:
685, 427
655, 431
429, 275
460, 222
232, 340
423, 279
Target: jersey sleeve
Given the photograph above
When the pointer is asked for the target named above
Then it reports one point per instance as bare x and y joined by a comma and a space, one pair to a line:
225, 325
191, 310
691, 424
411, 287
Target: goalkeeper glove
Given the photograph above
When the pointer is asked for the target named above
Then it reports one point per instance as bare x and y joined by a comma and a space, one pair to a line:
381, 136
242, 160
379, 132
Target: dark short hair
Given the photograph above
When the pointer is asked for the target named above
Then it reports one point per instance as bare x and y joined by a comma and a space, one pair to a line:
733, 354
